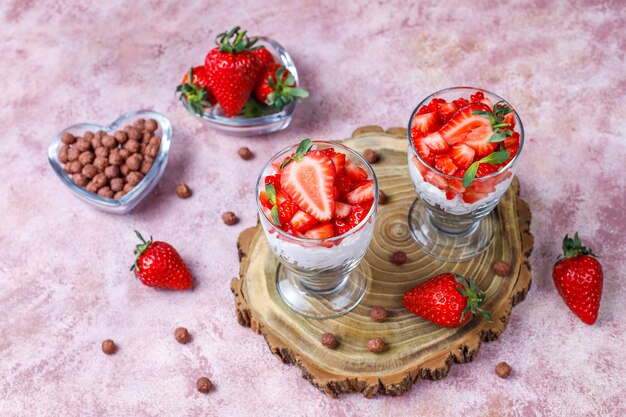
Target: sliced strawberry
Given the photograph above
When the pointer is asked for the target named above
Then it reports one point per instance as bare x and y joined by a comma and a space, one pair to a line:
456, 185
268, 214
302, 222
339, 159
420, 166
274, 180
425, 124
341, 226
323, 231
364, 192
342, 210
487, 103
435, 179
265, 201
427, 155
446, 110
471, 196
477, 97
311, 184
485, 169
460, 102
451, 194
463, 122
478, 139
286, 210
510, 119
436, 143
329, 152
281, 197
359, 211
444, 164
342, 186
354, 172
276, 164
486, 186
462, 155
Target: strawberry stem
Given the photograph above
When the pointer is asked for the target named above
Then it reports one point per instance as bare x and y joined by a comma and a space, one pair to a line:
475, 297
240, 43
140, 249
197, 97
574, 247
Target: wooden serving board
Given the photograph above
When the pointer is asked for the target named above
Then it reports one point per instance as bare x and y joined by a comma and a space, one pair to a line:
416, 348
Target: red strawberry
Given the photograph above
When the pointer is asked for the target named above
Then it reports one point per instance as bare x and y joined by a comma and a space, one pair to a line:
277, 87
435, 143
478, 139
265, 201
435, 179
359, 211
462, 155
463, 122
302, 221
510, 119
444, 164
311, 184
281, 197
264, 56
364, 192
274, 180
446, 300
477, 97
339, 159
485, 169
342, 186
578, 279
427, 155
425, 124
341, 226
233, 70
342, 210
286, 211
197, 92
460, 102
446, 110
323, 231
355, 172
158, 265
471, 196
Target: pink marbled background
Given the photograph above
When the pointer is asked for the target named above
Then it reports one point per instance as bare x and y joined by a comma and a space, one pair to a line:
64, 280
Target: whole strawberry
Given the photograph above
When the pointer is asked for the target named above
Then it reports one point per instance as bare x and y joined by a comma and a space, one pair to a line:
277, 87
233, 70
195, 89
446, 300
158, 265
265, 57
578, 279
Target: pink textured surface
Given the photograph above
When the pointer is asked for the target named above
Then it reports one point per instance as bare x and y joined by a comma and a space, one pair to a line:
65, 284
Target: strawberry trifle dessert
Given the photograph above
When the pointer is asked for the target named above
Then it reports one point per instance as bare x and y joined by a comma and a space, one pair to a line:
464, 145
317, 204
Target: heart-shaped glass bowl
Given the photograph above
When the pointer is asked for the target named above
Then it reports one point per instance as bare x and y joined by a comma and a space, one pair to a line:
243, 126
141, 190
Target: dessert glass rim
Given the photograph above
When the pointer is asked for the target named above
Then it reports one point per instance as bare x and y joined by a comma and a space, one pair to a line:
518, 122
330, 239
155, 171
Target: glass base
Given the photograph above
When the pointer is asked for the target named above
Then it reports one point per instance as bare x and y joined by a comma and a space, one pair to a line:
322, 304
450, 247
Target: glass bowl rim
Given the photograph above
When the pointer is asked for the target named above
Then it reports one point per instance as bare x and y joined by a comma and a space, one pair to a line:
334, 238
128, 199
467, 88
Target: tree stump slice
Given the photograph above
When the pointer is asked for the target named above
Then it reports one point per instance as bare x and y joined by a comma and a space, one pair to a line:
416, 348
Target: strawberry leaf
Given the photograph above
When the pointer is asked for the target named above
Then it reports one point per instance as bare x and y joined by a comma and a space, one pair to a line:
275, 216
495, 158
271, 193
303, 148
470, 174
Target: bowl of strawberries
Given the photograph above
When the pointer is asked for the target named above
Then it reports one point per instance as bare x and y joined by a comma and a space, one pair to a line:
247, 86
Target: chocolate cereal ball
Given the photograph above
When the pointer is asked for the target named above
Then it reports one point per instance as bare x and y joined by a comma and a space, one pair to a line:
152, 150
124, 170
100, 180
80, 179
116, 184
72, 154
106, 192
102, 151
127, 188
119, 195
132, 145
139, 124
86, 157
88, 135
89, 171
75, 167
145, 167
115, 158
124, 153
155, 140
112, 171
96, 142
121, 136
82, 144
91, 187
133, 133
68, 138
134, 177
151, 125
134, 162
109, 141
100, 162
63, 154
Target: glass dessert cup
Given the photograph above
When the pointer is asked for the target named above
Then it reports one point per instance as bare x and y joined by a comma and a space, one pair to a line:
448, 221
320, 278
